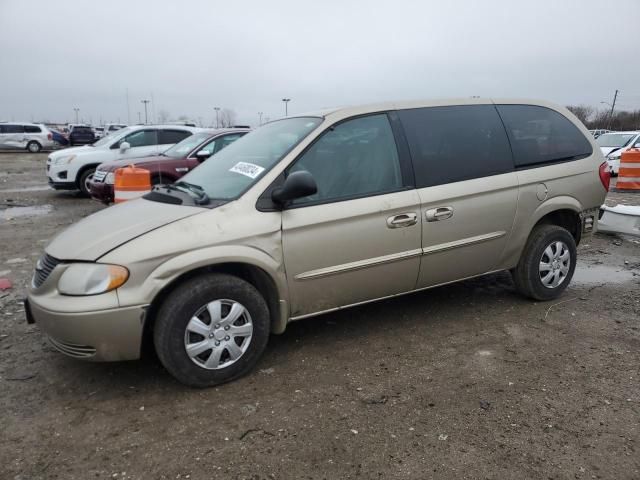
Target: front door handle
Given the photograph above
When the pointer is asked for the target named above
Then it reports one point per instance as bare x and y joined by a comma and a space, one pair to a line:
402, 220
440, 213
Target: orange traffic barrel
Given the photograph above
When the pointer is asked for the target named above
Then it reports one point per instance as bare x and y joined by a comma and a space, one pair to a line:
131, 182
629, 172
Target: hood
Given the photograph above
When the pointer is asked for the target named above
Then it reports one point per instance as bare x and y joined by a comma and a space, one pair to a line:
138, 162
97, 234
71, 151
608, 150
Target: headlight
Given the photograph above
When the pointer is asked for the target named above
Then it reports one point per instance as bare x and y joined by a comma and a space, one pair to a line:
64, 160
614, 157
110, 178
91, 278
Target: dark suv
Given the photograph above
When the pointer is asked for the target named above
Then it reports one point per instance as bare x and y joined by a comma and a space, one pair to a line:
170, 165
81, 136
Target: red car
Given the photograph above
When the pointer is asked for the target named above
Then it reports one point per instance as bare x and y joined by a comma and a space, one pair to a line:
168, 166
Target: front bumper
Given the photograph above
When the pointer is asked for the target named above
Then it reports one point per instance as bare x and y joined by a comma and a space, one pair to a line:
62, 185
102, 191
101, 336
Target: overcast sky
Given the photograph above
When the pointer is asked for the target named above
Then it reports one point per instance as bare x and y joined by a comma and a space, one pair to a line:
189, 56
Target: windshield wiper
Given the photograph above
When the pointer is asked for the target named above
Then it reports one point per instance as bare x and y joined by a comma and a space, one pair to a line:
197, 190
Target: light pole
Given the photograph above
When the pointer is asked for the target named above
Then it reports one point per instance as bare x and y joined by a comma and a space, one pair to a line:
286, 102
77, 110
217, 109
139, 118
145, 109
260, 118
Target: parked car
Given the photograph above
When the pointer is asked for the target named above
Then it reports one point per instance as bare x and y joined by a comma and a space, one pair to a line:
613, 144
170, 165
59, 138
111, 128
98, 132
25, 136
72, 168
81, 135
311, 214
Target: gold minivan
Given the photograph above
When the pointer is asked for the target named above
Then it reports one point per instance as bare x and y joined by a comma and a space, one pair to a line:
314, 213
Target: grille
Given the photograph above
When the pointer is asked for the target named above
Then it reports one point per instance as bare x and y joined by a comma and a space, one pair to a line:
99, 175
73, 349
44, 267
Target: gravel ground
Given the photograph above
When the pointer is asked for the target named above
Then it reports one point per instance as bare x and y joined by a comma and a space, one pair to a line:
464, 381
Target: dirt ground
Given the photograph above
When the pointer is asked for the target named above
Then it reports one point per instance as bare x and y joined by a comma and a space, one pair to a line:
464, 381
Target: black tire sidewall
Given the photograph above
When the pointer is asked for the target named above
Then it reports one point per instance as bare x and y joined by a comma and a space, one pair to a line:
542, 238
34, 143
181, 305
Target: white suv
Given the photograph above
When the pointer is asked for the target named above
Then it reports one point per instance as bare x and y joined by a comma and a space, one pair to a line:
612, 144
30, 136
72, 168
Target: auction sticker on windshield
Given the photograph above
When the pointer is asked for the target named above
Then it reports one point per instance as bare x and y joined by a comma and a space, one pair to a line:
248, 169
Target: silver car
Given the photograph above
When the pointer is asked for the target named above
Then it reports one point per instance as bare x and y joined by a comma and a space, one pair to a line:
311, 214
32, 137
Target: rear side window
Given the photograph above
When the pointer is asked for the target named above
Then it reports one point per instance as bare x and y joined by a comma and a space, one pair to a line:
172, 136
451, 144
7, 128
142, 138
540, 135
32, 129
82, 130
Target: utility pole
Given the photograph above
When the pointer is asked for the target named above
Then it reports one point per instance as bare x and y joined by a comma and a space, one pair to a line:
259, 118
77, 110
286, 102
217, 109
139, 117
613, 105
128, 109
145, 110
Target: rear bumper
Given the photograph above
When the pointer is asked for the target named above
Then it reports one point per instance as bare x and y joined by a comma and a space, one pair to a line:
100, 336
102, 191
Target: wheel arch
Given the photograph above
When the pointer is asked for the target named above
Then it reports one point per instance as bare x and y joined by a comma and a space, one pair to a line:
83, 169
562, 211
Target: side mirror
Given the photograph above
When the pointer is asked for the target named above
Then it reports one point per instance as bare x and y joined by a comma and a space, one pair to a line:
124, 146
202, 155
297, 185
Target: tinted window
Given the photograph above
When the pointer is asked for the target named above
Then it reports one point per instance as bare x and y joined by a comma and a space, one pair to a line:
142, 138
8, 128
541, 135
32, 129
82, 130
451, 144
354, 158
172, 136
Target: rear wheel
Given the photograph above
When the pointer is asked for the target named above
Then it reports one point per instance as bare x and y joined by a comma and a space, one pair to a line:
84, 182
34, 147
547, 263
212, 329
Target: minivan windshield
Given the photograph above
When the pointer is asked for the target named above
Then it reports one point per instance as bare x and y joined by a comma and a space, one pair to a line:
182, 149
614, 139
108, 140
233, 170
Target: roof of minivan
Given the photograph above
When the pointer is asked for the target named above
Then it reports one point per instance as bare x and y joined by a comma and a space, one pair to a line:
348, 111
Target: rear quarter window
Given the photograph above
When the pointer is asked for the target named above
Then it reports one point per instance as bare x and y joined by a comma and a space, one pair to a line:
539, 135
456, 143
167, 137
32, 129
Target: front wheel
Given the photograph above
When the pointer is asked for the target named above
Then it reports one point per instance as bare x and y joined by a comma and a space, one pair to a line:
84, 183
547, 263
34, 147
212, 329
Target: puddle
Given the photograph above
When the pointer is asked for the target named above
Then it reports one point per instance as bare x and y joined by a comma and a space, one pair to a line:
20, 212
598, 274
35, 188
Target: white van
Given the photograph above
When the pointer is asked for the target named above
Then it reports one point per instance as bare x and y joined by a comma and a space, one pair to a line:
72, 168
25, 136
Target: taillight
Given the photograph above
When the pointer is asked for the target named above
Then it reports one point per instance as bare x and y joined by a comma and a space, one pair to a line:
50, 136
605, 176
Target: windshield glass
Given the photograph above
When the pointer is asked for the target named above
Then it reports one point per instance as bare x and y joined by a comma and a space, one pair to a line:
233, 170
614, 139
182, 149
108, 140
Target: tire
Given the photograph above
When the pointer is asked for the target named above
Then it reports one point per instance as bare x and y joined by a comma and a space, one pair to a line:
174, 319
34, 147
543, 248
83, 181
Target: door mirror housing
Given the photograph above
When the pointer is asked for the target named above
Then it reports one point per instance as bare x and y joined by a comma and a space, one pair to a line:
297, 185
124, 146
202, 155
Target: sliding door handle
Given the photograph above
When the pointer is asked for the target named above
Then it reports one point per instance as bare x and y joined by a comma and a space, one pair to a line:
440, 213
402, 220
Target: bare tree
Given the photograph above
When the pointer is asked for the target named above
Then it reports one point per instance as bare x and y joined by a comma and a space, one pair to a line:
583, 112
227, 118
163, 116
